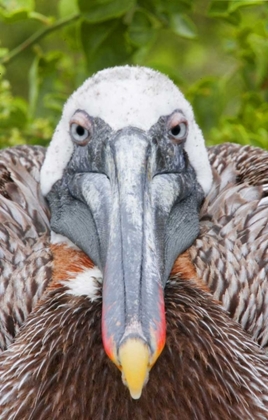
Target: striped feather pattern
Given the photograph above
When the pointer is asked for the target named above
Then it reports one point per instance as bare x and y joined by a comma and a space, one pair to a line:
231, 252
25, 257
57, 368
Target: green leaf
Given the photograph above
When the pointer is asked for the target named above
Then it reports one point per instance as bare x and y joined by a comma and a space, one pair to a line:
42, 74
183, 26
218, 8
52, 79
162, 8
237, 4
13, 111
13, 17
48, 62
207, 99
14, 5
175, 6
221, 9
93, 36
67, 7
12, 11
3, 52
260, 47
141, 31
101, 10
105, 45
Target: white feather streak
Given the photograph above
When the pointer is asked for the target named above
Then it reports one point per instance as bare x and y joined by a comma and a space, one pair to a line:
85, 283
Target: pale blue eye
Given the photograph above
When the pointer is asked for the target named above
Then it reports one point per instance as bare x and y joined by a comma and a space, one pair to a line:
79, 133
179, 131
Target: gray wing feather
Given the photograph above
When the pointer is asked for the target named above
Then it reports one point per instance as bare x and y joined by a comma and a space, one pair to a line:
25, 257
231, 252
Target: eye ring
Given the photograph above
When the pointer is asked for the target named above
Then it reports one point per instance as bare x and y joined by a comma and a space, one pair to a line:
80, 128
178, 127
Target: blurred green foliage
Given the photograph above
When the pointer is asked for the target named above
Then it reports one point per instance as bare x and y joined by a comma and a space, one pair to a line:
215, 50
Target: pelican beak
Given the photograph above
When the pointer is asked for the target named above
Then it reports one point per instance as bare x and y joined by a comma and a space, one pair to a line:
133, 219
133, 319
134, 356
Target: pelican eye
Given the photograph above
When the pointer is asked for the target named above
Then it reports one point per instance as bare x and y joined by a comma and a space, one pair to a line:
79, 133
80, 129
177, 127
179, 131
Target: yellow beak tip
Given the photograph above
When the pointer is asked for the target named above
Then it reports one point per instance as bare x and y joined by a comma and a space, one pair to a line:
134, 358
135, 394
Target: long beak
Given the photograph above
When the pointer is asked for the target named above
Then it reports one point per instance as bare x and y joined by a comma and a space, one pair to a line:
133, 219
133, 319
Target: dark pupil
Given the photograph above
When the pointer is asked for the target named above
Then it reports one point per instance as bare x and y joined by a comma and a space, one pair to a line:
80, 130
176, 130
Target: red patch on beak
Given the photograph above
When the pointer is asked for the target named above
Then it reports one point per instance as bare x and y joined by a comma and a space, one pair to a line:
158, 336
108, 342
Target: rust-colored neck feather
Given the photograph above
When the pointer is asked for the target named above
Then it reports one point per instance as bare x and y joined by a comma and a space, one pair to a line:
67, 260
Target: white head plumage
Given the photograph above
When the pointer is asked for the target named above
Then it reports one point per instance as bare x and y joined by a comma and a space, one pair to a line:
125, 96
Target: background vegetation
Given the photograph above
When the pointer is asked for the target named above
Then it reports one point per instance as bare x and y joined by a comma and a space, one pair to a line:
215, 50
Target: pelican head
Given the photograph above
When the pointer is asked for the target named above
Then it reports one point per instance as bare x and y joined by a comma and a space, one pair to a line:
125, 175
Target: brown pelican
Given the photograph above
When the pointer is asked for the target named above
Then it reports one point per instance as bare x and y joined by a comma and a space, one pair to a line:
147, 246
